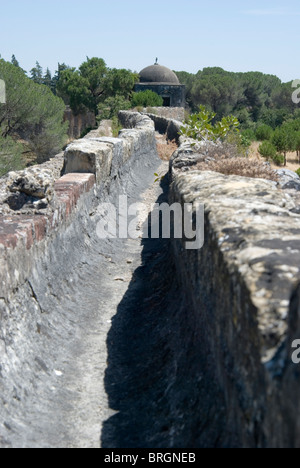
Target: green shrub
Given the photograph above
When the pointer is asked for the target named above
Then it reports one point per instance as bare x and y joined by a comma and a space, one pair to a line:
249, 134
278, 159
10, 156
245, 141
267, 150
298, 172
116, 126
264, 132
146, 98
111, 106
200, 126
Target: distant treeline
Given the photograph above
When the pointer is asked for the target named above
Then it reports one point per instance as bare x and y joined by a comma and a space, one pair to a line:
252, 97
31, 121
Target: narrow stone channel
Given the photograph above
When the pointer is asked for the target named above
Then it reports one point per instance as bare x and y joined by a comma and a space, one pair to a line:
72, 397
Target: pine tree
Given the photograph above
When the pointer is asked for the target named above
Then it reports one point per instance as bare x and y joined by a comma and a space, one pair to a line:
36, 74
31, 114
14, 61
60, 68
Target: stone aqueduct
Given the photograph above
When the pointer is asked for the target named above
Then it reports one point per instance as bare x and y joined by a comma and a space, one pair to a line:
191, 349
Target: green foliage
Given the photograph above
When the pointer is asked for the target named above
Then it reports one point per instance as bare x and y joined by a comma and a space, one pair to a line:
245, 141
116, 126
244, 117
249, 134
117, 91
86, 131
15, 62
272, 117
228, 125
74, 90
49, 136
283, 140
215, 89
10, 155
146, 98
298, 172
111, 107
252, 97
94, 70
264, 132
55, 79
120, 82
96, 88
31, 113
200, 126
267, 150
48, 81
297, 141
36, 74
159, 178
278, 159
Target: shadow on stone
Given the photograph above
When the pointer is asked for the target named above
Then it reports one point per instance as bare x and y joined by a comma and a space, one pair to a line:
155, 377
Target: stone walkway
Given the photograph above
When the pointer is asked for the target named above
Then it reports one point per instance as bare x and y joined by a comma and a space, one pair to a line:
72, 402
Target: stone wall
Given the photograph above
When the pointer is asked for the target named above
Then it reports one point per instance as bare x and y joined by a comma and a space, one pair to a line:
174, 113
80, 123
230, 311
89, 165
166, 126
243, 292
42, 252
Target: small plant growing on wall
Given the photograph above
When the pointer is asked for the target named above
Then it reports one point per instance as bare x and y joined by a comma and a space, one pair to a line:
200, 126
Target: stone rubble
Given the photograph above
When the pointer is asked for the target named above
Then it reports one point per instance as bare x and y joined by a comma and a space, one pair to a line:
31, 190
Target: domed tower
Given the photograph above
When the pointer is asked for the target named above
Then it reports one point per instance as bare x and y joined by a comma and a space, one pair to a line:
164, 82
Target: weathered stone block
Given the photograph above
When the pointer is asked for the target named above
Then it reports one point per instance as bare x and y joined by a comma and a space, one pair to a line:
242, 285
88, 156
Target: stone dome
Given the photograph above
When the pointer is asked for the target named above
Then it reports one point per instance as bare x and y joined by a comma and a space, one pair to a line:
158, 74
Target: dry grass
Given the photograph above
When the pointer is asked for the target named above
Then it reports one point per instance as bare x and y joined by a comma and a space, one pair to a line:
166, 148
238, 166
292, 160
228, 160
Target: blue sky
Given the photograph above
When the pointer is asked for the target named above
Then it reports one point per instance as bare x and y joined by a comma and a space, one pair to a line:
185, 35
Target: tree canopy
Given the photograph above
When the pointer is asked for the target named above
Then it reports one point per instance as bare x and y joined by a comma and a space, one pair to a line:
35, 105
31, 114
89, 87
252, 97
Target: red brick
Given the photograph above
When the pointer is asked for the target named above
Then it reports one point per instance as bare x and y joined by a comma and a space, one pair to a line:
25, 229
40, 227
14, 229
70, 187
8, 232
9, 240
